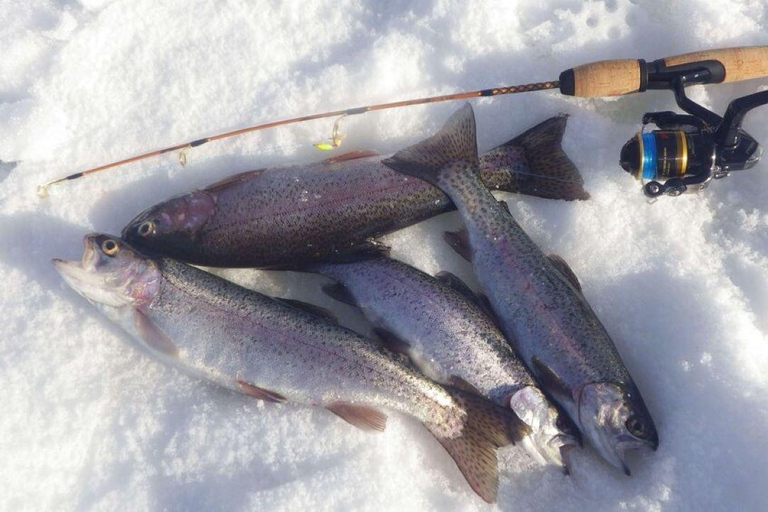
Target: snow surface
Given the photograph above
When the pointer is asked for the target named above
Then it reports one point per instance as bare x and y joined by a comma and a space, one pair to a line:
88, 423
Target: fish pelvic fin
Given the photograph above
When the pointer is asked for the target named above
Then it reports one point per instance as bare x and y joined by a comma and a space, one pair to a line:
360, 416
456, 142
552, 173
487, 427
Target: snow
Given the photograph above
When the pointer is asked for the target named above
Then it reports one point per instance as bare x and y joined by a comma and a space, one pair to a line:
88, 423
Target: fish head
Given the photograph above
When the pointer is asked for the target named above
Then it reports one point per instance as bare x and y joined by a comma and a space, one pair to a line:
171, 227
111, 274
615, 419
553, 435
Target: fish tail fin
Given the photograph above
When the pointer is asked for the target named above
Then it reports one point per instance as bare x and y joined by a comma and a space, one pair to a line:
455, 142
552, 174
487, 427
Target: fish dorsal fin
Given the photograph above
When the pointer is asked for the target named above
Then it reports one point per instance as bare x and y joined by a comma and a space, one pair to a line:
455, 142
456, 283
360, 416
352, 155
235, 178
550, 381
260, 393
311, 308
392, 341
153, 336
565, 269
460, 383
459, 242
485, 305
339, 292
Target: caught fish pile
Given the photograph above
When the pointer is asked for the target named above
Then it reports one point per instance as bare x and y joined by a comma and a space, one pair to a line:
526, 361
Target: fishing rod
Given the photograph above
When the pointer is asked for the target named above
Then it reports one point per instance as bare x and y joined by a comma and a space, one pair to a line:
596, 79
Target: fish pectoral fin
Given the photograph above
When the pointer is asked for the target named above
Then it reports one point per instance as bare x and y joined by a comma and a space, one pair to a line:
459, 242
260, 393
366, 250
153, 336
311, 308
351, 155
339, 292
360, 416
392, 341
460, 383
550, 381
560, 264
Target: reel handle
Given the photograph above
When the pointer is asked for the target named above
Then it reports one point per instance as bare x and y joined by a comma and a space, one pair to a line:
618, 77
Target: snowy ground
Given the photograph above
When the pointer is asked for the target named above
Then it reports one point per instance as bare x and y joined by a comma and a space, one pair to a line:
88, 423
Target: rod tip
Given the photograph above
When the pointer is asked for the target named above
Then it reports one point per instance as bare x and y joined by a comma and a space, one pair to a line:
42, 191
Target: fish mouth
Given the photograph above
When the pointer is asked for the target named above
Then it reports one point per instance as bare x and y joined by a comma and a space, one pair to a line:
75, 272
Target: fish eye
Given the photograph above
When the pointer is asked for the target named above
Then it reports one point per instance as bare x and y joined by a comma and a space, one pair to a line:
146, 228
110, 247
635, 426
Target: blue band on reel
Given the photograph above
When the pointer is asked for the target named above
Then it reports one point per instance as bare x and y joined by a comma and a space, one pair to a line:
649, 156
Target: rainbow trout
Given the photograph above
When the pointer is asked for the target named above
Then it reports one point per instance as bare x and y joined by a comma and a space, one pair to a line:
275, 351
282, 217
537, 299
440, 324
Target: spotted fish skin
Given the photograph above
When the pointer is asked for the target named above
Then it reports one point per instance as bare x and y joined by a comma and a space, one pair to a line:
272, 350
537, 299
440, 324
283, 217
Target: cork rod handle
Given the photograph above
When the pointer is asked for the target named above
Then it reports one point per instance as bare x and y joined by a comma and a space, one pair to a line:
618, 77
744, 63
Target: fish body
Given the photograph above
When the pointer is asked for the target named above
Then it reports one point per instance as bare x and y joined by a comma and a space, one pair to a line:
536, 298
272, 350
440, 324
282, 217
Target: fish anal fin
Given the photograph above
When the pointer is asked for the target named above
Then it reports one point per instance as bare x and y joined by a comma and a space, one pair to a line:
565, 269
360, 416
311, 308
153, 336
260, 393
339, 292
351, 155
549, 380
456, 142
392, 341
459, 242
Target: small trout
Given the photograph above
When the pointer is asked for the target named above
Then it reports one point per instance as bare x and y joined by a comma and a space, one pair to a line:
537, 299
440, 324
277, 351
282, 217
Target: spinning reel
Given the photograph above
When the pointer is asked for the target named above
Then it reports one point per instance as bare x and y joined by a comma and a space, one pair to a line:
689, 151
